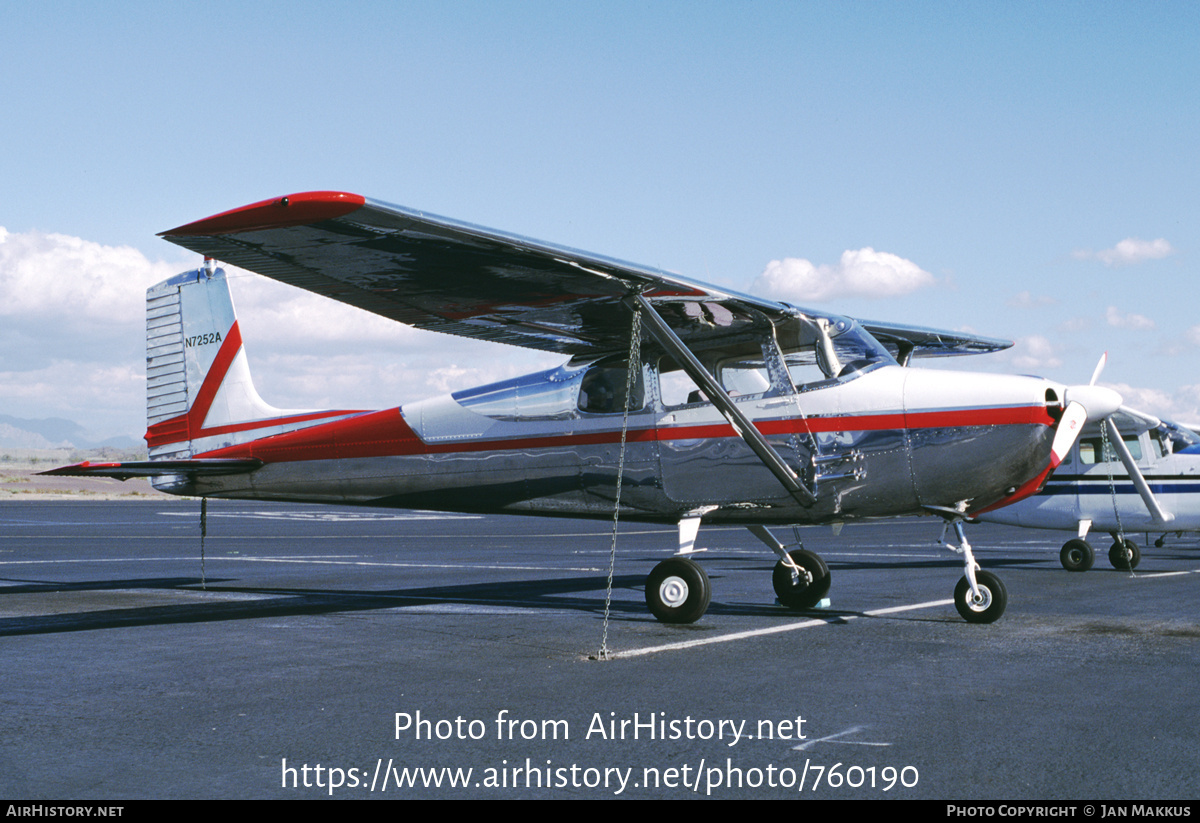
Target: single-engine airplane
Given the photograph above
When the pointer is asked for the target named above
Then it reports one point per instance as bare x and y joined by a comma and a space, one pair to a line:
1131, 472
679, 402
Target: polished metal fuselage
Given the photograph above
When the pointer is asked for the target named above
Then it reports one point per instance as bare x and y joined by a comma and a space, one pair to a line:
892, 441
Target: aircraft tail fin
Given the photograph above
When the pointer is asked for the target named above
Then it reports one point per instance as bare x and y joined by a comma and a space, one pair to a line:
199, 394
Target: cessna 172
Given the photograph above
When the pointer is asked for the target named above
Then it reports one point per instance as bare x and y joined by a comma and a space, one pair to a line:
788, 416
1156, 488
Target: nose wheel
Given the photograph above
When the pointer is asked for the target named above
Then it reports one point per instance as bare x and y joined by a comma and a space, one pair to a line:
979, 597
986, 604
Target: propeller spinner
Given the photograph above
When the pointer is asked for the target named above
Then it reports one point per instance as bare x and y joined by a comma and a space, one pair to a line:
1085, 404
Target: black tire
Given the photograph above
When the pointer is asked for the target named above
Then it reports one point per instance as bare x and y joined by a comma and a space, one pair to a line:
1077, 555
799, 591
1127, 559
678, 591
989, 609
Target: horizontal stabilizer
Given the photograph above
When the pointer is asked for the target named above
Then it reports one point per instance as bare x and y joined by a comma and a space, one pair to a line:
157, 468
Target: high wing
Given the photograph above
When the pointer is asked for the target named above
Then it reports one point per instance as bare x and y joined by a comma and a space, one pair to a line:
441, 274
917, 341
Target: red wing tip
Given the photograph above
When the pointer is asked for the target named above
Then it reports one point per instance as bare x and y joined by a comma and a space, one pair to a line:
278, 212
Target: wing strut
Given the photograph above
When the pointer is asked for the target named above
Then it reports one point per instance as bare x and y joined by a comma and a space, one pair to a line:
670, 341
1160, 516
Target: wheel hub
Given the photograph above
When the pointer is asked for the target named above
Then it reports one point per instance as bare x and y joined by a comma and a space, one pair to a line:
673, 591
981, 602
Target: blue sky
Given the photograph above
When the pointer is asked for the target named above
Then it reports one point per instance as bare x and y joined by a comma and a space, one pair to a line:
1024, 170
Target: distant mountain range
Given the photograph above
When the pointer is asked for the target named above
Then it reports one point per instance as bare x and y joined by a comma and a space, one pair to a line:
54, 433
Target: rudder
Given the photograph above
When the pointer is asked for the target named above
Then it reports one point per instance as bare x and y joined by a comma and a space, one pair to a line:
199, 395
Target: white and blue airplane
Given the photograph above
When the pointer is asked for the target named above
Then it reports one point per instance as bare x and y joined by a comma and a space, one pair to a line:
1129, 473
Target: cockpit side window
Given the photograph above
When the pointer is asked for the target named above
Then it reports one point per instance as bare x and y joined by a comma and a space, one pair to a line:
1158, 447
603, 389
675, 387
745, 377
1090, 449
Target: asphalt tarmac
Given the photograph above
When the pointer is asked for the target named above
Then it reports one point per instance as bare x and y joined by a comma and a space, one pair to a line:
358, 653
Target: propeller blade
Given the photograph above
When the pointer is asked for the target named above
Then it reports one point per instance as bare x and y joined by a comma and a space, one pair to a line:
1135, 474
1099, 368
1069, 428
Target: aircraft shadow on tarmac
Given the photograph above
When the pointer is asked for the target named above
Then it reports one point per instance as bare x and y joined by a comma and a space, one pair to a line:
219, 601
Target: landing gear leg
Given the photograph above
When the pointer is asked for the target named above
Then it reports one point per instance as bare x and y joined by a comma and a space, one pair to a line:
801, 581
980, 597
800, 578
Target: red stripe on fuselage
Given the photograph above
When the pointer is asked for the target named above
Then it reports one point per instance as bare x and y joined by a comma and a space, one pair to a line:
386, 434
1028, 490
371, 434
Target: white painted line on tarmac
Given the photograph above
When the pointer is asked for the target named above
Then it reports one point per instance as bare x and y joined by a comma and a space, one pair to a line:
836, 738
790, 627
1153, 575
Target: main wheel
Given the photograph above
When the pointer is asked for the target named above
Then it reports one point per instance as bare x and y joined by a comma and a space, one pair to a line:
678, 591
1126, 557
990, 604
1077, 555
804, 589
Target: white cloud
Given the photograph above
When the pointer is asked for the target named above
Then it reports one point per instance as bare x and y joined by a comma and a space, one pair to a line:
282, 316
1129, 251
1127, 321
72, 340
1034, 353
1181, 405
63, 279
861, 273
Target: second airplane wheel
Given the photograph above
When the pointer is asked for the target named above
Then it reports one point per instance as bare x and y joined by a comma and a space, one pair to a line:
1077, 555
801, 589
678, 591
1125, 557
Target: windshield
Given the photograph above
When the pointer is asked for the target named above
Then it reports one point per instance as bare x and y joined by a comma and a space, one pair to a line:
1181, 439
838, 350
843, 351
